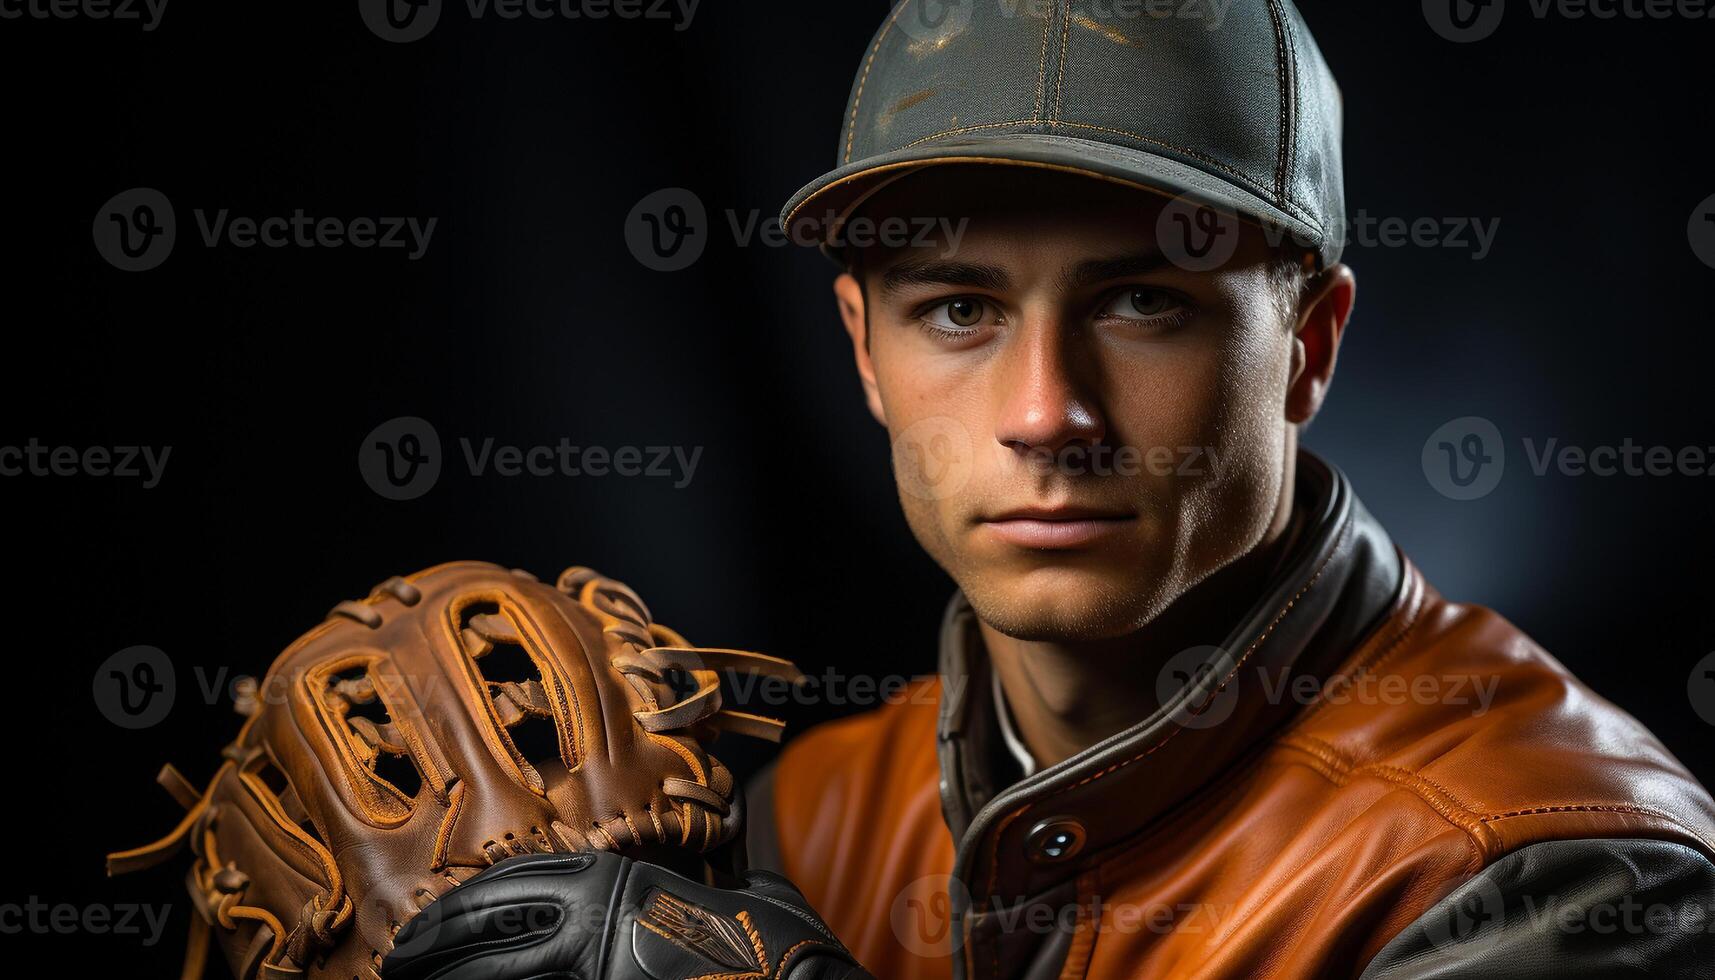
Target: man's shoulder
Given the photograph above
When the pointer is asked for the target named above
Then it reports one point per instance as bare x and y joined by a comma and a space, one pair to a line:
844, 787
1454, 703
863, 760
903, 724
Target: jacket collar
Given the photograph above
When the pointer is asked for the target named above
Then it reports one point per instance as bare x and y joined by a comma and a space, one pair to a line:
1339, 579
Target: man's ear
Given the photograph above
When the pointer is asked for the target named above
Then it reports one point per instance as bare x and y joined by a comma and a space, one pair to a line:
1322, 318
849, 294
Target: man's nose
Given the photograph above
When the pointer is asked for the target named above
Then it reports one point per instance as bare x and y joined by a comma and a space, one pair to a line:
1047, 388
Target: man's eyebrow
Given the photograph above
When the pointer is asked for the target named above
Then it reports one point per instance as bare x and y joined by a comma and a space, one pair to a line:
1092, 271
904, 274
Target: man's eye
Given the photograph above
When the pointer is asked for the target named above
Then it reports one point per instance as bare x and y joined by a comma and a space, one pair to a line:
1140, 304
959, 314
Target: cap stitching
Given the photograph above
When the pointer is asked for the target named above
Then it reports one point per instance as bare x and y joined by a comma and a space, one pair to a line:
1280, 68
1297, 105
1042, 69
857, 97
1060, 82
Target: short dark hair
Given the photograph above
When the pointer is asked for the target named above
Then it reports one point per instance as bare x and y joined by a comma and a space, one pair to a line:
1290, 276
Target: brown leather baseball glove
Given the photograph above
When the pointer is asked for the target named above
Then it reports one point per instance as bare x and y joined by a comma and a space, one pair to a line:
454, 718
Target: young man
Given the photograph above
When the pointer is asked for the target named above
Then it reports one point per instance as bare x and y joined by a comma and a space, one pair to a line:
1163, 723
1196, 716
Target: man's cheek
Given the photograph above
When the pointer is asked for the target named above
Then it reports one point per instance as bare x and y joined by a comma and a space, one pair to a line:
934, 458
937, 528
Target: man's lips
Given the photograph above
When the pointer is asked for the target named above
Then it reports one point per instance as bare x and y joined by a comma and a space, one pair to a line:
1056, 528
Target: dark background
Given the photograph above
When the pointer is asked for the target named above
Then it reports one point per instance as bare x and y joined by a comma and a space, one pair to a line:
528, 320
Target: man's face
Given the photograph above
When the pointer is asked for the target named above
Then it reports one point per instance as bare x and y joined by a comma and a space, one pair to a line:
1083, 430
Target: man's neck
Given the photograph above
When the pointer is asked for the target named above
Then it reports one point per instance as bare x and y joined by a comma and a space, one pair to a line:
1066, 697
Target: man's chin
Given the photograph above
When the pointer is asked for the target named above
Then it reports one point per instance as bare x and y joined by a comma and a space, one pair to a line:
1065, 611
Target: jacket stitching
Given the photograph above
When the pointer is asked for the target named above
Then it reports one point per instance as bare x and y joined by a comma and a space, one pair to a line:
1304, 741
1083, 945
1638, 811
1343, 772
1449, 806
1476, 861
1533, 811
1329, 770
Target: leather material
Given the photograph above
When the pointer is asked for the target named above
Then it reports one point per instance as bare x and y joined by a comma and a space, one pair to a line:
605, 917
454, 718
1568, 910
1229, 103
1243, 830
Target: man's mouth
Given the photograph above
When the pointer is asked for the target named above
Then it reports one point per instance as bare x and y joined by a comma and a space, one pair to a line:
1057, 528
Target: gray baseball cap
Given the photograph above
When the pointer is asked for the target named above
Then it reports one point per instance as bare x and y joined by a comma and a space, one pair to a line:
1224, 103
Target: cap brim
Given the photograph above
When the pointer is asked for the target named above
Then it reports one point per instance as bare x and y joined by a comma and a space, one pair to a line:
838, 193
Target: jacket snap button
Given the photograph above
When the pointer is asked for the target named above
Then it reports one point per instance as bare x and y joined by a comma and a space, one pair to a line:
1055, 839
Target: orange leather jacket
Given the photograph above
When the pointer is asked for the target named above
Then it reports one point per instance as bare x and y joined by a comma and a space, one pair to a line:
1363, 780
